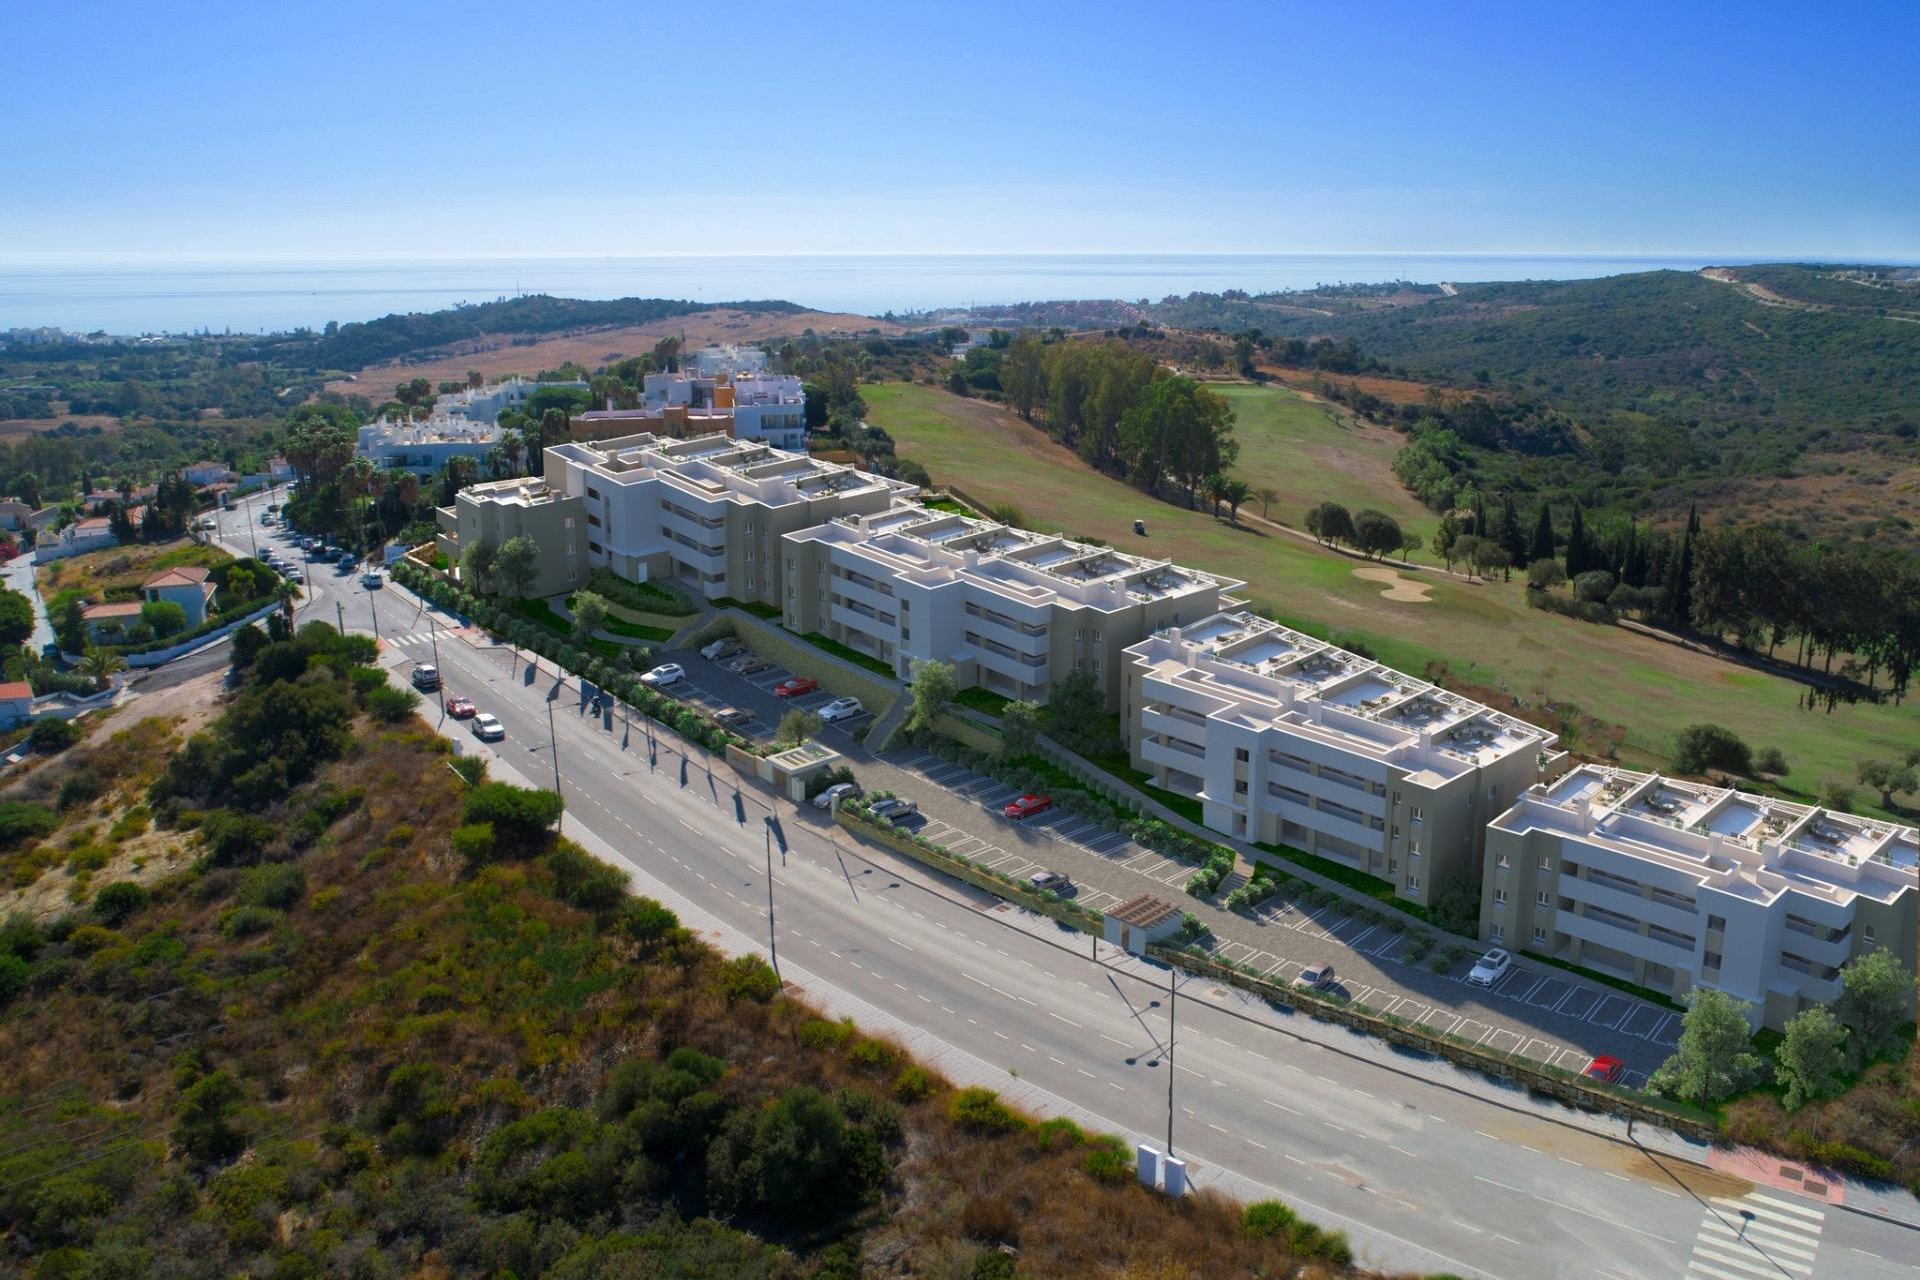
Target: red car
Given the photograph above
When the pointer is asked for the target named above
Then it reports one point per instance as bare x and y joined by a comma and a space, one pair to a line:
1606, 1068
794, 686
461, 708
1028, 805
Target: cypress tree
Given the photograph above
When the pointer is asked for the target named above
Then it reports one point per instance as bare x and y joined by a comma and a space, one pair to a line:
1676, 596
1509, 535
1542, 534
1579, 555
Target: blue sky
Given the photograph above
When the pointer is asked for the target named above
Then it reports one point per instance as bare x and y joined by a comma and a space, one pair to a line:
443, 129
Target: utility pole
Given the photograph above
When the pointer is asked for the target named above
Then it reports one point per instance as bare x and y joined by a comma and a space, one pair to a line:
773, 943
553, 746
340, 612
376, 615
1173, 997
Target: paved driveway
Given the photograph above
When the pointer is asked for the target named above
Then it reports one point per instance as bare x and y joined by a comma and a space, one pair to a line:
1535, 1010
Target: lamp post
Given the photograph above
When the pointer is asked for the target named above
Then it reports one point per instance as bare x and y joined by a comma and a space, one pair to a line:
553, 742
433, 629
773, 943
1173, 996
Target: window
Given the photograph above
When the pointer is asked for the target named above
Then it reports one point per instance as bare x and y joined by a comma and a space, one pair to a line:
1393, 866
1396, 831
1499, 934
1546, 863
789, 591
1539, 934
1413, 883
1711, 960
1866, 934
1240, 786
1416, 814
1503, 862
1543, 898
1240, 755
1717, 922
1499, 897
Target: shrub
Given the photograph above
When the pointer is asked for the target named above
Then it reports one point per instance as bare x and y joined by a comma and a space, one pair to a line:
979, 1110
235, 839
116, 902
244, 922
21, 821
1770, 760
1058, 1132
390, 704
522, 818
82, 786
279, 885
645, 921
49, 736
1268, 1219
1700, 747
749, 978
582, 881
820, 1033
912, 1085
1108, 1160
472, 769
876, 1056
474, 842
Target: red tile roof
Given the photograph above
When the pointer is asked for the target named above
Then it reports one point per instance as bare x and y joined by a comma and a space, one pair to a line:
12, 690
185, 576
111, 609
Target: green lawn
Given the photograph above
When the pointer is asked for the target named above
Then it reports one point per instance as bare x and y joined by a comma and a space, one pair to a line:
1306, 453
1485, 632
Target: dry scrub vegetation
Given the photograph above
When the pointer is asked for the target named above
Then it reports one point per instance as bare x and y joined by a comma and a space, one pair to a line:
385, 1024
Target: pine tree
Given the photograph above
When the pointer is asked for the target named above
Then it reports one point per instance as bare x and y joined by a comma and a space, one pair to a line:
1676, 599
1509, 534
1542, 534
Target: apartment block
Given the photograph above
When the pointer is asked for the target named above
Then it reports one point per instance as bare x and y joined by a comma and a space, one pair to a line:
424, 448
1676, 885
483, 404
1289, 740
503, 509
1012, 610
761, 406
708, 511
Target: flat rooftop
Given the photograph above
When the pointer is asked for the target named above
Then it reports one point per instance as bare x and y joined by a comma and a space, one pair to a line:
717, 466
1026, 566
1752, 845
1260, 673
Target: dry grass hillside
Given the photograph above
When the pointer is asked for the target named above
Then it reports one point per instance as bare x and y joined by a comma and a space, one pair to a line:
498, 356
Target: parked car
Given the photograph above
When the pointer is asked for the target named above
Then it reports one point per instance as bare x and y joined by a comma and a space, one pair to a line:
722, 649
1027, 805
296, 577
1490, 968
1315, 977
893, 808
795, 686
732, 717
663, 675
1606, 1068
750, 664
830, 798
487, 727
1055, 881
426, 676
842, 709
462, 709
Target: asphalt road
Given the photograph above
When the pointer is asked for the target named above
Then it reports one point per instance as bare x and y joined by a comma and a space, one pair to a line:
1424, 1174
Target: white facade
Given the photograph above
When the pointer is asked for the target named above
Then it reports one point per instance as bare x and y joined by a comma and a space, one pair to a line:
485, 403
769, 407
1292, 741
710, 362
1012, 610
1675, 884
706, 511
425, 447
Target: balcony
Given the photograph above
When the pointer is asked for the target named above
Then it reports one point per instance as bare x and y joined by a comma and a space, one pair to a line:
1325, 821
1597, 894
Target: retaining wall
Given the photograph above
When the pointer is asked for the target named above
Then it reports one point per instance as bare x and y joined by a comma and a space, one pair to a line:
770, 640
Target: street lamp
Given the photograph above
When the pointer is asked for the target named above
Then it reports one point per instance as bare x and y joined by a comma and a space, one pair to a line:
553, 739
773, 942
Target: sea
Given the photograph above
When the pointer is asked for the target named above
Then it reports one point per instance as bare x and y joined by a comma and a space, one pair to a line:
255, 297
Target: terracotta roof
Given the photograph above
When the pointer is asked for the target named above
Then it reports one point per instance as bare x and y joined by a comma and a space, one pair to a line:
185, 576
111, 609
11, 690
1144, 910
99, 524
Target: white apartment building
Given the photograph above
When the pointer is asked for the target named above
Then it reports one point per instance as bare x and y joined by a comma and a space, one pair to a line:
1289, 740
1674, 885
1012, 610
483, 404
763, 406
425, 447
726, 357
707, 511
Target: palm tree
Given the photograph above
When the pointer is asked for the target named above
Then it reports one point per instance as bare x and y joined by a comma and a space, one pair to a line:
288, 595
1235, 492
1268, 495
514, 446
101, 665
1213, 489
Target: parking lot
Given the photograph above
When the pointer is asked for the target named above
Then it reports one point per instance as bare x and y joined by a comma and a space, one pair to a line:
711, 687
1534, 1009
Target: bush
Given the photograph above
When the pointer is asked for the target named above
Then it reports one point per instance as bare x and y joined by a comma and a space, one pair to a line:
646, 921
116, 902
980, 1110
244, 922
279, 885
876, 1056
49, 736
474, 842
390, 704
1268, 1219
1700, 747
749, 978
1770, 760
82, 786
819, 1033
21, 821
585, 882
1593, 586
1108, 1160
235, 839
522, 818
913, 1084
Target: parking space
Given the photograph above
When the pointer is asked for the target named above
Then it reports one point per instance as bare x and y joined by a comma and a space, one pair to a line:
714, 685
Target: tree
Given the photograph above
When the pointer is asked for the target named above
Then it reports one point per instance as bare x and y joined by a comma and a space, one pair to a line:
1542, 548
1445, 537
1266, 495
522, 819
1715, 1055
1811, 1059
1456, 901
1837, 796
1700, 747
1545, 574
16, 618
517, 566
205, 1129
1233, 493
1468, 548
1489, 557
933, 688
101, 665
164, 616
1770, 760
1077, 713
1579, 553
1876, 1000
1508, 534
1593, 586
589, 613
477, 564
289, 597
1019, 729
1376, 533
72, 631
796, 726
1023, 375
1331, 523
1886, 777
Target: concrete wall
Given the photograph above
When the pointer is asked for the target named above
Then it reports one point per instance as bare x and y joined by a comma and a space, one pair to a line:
795, 654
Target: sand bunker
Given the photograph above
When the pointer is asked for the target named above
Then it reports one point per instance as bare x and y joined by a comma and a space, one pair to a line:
1398, 588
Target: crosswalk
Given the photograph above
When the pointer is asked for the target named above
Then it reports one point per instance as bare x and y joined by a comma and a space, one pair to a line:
1756, 1236
411, 638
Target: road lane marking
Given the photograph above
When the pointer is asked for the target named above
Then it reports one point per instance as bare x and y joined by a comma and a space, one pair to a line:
1069, 1021
1280, 1107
